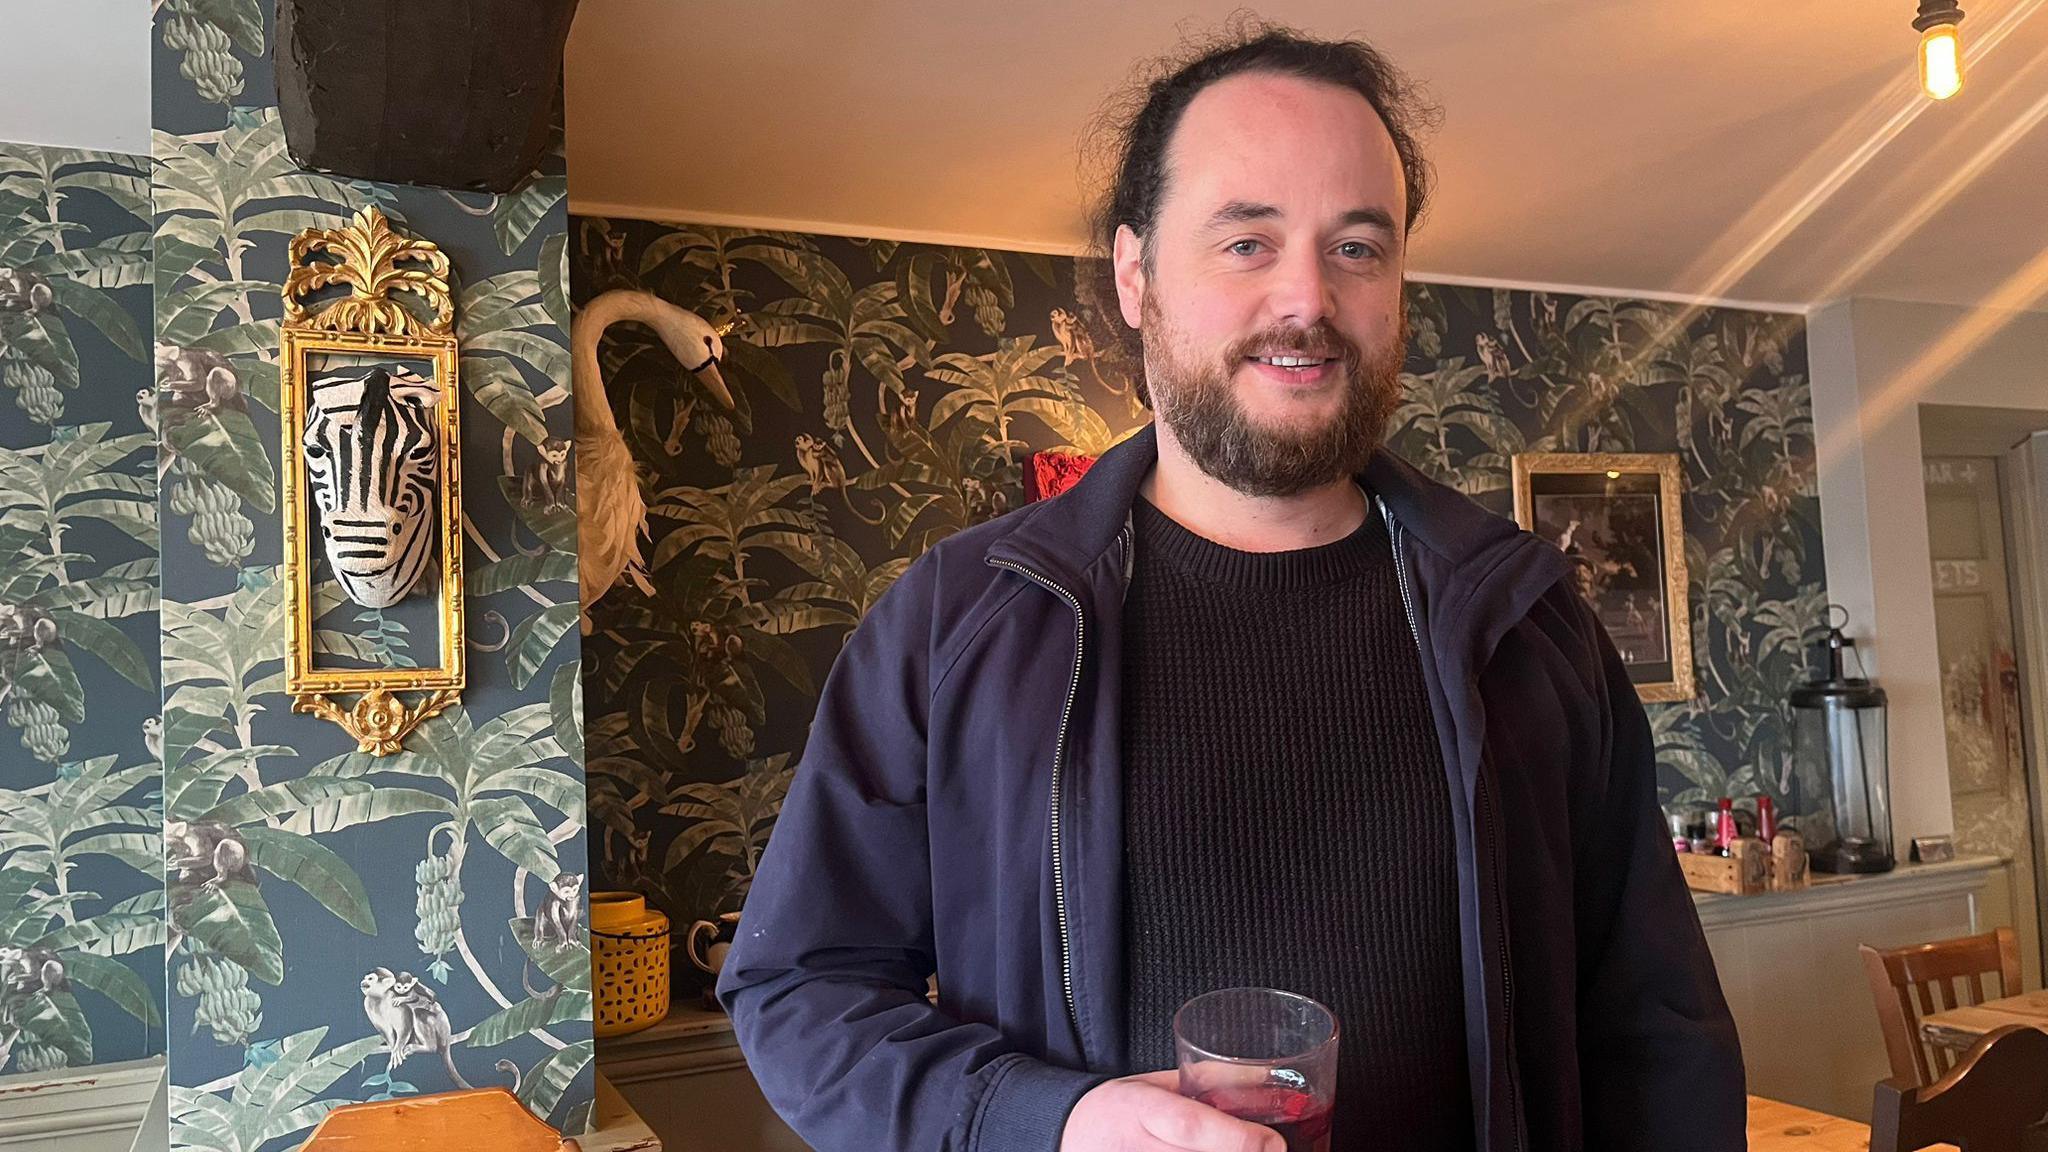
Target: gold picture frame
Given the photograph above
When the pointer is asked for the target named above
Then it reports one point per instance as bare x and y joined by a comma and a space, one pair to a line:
373, 262
1621, 517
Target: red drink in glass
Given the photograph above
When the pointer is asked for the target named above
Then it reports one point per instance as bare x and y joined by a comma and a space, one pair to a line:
1299, 1117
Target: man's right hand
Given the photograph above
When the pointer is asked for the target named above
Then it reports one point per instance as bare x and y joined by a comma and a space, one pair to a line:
1147, 1114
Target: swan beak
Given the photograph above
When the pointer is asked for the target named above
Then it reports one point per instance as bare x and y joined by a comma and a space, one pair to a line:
712, 380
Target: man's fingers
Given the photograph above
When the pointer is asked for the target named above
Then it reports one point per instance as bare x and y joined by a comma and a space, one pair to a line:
1195, 1126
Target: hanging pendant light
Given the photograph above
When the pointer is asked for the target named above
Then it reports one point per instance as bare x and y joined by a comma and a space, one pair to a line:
1941, 47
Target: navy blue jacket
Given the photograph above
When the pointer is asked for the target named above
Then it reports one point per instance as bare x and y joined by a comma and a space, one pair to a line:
958, 811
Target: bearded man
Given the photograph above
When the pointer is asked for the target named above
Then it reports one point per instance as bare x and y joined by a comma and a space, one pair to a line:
1253, 704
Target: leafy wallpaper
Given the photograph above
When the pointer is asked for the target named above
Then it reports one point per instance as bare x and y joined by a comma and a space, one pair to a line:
326, 907
81, 857
889, 394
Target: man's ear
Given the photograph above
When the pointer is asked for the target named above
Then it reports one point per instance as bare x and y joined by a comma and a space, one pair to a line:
1127, 255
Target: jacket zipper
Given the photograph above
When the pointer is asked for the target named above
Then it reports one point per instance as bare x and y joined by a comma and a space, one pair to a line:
1507, 973
1059, 871
1401, 571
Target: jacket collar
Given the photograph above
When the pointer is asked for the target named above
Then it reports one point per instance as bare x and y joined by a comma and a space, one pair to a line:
1063, 537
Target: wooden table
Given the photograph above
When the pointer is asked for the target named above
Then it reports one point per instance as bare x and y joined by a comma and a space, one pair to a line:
1775, 1126
1780, 1127
1958, 1028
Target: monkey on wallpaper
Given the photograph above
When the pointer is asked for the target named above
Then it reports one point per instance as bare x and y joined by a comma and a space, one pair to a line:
1494, 356
407, 1014
24, 291
26, 972
24, 628
557, 923
197, 380
205, 854
200, 855
822, 465
984, 501
1077, 343
605, 250
715, 653
905, 414
545, 487
557, 920
146, 407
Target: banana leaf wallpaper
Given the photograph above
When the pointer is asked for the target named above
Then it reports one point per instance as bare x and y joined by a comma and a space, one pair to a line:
343, 927
886, 395
81, 856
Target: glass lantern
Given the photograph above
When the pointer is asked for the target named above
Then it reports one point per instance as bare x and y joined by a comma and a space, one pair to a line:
1838, 730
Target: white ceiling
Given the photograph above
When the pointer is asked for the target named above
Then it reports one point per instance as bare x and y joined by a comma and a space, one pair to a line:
75, 73
1774, 153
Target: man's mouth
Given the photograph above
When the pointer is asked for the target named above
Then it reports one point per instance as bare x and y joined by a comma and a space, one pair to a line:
1294, 361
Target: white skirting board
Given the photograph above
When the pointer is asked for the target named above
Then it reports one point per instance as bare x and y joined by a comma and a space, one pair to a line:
98, 1108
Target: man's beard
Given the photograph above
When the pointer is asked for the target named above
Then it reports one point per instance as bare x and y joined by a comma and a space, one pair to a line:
1199, 403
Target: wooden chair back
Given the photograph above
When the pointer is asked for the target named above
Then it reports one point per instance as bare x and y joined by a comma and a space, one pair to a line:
1994, 1100
1917, 981
483, 1118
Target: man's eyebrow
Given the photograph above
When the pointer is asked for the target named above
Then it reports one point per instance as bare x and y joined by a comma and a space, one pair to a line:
1243, 211
1374, 217
1240, 211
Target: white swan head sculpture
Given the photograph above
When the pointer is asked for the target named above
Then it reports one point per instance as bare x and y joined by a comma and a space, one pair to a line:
610, 511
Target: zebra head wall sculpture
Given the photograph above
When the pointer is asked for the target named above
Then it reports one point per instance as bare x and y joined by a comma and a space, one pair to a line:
373, 465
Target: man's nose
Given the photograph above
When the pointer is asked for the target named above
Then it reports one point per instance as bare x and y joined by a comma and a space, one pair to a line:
1301, 292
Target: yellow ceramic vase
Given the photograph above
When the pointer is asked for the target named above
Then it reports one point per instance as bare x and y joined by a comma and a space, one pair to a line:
629, 952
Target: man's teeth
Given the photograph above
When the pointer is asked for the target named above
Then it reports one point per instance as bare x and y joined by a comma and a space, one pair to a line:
1291, 361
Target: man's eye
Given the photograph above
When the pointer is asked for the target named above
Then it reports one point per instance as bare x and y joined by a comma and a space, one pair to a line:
1245, 248
1354, 250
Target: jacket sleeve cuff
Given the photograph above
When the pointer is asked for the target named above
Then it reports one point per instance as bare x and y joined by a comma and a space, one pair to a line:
1024, 1103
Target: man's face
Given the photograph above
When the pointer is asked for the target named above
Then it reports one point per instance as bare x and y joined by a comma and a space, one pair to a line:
1271, 306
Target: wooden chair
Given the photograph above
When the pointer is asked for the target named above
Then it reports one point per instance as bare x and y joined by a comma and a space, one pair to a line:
1994, 1100
1917, 981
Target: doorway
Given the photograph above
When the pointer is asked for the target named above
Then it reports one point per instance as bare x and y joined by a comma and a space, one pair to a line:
1985, 546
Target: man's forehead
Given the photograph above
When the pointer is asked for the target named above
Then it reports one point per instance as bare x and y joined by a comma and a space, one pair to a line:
1254, 138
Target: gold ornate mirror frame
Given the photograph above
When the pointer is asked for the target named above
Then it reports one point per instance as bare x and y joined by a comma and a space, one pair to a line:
366, 257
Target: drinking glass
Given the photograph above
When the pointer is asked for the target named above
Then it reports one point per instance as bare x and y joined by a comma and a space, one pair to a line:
1263, 1055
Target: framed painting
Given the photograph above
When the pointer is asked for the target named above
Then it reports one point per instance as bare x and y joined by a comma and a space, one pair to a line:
1618, 517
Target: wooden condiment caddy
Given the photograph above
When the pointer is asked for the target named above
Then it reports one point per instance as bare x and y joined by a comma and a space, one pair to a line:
1745, 870
1751, 867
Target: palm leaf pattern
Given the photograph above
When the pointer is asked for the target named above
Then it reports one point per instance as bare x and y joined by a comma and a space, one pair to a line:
432, 861
81, 857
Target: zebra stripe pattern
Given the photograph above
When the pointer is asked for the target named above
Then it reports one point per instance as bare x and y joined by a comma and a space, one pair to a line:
373, 464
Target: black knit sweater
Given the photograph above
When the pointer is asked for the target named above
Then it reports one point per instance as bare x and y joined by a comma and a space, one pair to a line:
1287, 815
